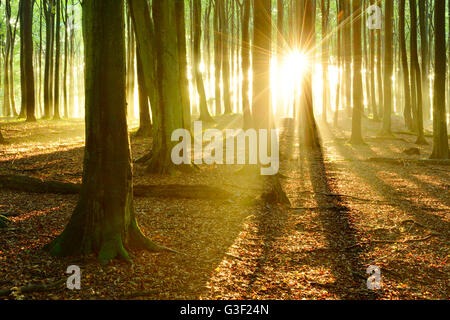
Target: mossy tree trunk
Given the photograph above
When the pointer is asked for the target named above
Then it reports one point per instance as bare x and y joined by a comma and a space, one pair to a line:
103, 221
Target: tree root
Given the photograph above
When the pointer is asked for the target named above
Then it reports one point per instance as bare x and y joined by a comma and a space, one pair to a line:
33, 288
34, 185
3, 222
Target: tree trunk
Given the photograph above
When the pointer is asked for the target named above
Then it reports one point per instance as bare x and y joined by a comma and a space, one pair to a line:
197, 24
225, 56
26, 54
218, 57
182, 56
245, 62
104, 220
440, 135
66, 55
416, 76
48, 60
145, 125
325, 8
405, 67
7, 50
424, 48
261, 63
358, 99
307, 43
56, 113
388, 68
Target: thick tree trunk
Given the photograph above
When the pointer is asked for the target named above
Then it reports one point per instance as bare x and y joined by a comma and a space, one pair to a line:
440, 135
104, 220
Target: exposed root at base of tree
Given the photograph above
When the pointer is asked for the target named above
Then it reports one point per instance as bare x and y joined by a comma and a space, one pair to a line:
276, 194
3, 222
32, 288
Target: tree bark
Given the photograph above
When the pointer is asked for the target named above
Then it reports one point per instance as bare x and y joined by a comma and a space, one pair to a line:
197, 25
26, 54
358, 99
104, 221
440, 135
405, 67
388, 68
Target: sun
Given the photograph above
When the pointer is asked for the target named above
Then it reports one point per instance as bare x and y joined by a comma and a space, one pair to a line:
295, 62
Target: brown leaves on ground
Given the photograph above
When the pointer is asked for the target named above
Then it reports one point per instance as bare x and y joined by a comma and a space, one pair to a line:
345, 215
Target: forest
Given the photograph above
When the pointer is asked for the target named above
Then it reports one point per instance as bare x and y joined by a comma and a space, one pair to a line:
224, 150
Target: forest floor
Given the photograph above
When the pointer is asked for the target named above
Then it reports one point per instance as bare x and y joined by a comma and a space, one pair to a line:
348, 211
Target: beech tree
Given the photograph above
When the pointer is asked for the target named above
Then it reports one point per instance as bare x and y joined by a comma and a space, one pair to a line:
104, 221
440, 136
26, 59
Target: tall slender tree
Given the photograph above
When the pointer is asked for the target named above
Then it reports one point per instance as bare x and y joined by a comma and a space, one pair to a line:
440, 135
416, 77
26, 57
197, 24
388, 68
405, 67
358, 99
262, 44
